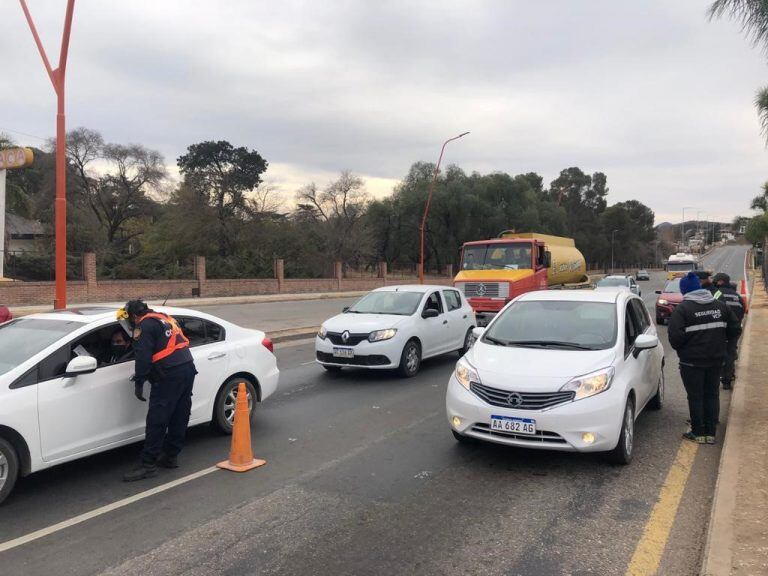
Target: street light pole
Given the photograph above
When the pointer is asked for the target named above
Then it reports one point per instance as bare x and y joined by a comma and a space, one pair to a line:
57, 77
426, 206
682, 232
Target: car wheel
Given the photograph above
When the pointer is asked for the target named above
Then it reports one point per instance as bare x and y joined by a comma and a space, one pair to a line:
224, 410
461, 439
334, 369
410, 359
9, 468
624, 450
659, 320
657, 402
469, 339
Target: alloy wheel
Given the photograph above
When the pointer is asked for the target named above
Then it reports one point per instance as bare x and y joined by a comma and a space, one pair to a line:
3, 470
412, 358
231, 401
629, 429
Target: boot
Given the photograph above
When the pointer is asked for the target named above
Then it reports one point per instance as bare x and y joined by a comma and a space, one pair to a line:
141, 472
166, 461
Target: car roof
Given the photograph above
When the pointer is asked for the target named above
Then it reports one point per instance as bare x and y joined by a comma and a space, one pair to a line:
93, 314
421, 288
625, 276
576, 295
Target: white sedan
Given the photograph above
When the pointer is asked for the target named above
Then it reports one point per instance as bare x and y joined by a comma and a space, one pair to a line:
560, 370
397, 327
65, 395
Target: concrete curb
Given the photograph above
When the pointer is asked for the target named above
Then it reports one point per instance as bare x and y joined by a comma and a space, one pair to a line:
278, 336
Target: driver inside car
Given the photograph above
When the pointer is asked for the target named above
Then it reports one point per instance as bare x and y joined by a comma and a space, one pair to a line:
120, 348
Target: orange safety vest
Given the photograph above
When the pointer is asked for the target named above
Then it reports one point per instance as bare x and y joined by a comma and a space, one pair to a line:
176, 339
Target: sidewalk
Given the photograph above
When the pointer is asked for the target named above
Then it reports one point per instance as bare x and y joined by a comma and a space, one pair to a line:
737, 540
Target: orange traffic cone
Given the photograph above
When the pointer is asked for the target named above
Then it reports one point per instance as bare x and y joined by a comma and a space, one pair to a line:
744, 297
241, 454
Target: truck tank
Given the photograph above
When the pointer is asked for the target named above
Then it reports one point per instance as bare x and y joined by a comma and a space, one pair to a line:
567, 262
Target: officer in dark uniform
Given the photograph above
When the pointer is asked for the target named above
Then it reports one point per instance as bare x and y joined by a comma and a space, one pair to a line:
699, 330
726, 292
164, 360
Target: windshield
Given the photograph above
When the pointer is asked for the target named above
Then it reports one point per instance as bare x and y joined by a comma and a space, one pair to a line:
23, 338
680, 266
672, 286
613, 281
388, 302
513, 256
555, 324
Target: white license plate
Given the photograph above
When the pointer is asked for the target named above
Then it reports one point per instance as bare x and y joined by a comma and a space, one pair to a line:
513, 425
343, 353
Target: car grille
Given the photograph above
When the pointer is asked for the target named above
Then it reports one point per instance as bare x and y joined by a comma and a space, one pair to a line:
541, 436
520, 400
369, 360
353, 340
484, 289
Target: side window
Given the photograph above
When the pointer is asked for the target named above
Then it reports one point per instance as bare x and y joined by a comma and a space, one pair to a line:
55, 365
452, 299
630, 330
193, 328
434, 303
213, 332
642, 319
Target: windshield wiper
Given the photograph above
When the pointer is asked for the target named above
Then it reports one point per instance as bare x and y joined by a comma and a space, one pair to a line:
495, 341
545, 343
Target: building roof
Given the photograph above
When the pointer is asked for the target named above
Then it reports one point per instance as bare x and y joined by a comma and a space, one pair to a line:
20, 226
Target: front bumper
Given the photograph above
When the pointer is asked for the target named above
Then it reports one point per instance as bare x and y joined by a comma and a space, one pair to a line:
375, 355
664, 311
558, 428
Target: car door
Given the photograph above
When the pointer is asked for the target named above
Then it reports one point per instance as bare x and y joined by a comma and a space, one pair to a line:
433, 332
636, 364
87, 412
210, 351
458, 319
650, 368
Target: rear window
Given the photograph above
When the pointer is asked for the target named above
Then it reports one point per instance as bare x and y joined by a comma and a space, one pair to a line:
672, 286
22, 338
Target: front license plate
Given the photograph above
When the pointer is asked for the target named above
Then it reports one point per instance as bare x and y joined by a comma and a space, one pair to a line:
514, 425
343, 353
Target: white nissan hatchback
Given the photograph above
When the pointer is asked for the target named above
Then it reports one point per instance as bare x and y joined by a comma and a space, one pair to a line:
560, 370
65, 395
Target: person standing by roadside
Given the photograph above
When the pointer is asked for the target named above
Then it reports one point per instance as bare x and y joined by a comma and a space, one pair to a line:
725, 292
699, 330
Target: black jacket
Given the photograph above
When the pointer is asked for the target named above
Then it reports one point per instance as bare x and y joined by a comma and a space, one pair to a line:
700, 328
151, 339
731, 298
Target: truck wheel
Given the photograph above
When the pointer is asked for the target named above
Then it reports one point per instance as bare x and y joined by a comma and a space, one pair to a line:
9, 468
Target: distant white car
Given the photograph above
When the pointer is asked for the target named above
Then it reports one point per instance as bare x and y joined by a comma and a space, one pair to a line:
560, 370
63, 396
619, 281
396, 328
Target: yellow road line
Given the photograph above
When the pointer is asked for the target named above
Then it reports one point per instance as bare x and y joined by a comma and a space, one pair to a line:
647, 557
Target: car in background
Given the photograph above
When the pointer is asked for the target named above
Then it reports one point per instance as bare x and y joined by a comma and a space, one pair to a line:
5, 314
560, 370
396, 327
619, 281
668, 298
642, 275
65, 395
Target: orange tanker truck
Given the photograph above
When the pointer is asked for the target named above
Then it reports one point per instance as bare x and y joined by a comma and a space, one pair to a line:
493, 272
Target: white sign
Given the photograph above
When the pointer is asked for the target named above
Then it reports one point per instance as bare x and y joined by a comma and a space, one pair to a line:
15, 158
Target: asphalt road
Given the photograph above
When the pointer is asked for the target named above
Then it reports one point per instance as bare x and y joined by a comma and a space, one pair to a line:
364, 477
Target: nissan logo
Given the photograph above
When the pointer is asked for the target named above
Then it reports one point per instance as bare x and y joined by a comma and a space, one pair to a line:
345, 336
515, 399
481, 289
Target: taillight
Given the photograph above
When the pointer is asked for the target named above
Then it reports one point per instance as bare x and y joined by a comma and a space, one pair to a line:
267, 343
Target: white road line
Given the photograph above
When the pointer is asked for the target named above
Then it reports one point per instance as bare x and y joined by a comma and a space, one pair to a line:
307, 363
32, 536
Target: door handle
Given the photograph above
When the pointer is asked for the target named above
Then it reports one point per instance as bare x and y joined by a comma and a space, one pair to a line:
445, 321
217, 355
465, 316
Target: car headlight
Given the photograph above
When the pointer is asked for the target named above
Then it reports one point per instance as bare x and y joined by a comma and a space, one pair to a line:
466, 373
590, 384
662, 301
380, 335
322, 332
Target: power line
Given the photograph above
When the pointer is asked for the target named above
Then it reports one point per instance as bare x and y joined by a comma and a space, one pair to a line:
23, 134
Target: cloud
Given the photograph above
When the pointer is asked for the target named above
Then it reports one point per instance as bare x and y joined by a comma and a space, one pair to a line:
651, 93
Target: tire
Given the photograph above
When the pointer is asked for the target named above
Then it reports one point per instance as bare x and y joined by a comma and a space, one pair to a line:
625, 447
464, 440
332, 369
410, 359
660, 321
469, 339
224, 409
9, 468
657, 402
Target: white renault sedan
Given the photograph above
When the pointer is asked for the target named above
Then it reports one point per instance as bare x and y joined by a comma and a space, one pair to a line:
560, 370
397, 327
65, 394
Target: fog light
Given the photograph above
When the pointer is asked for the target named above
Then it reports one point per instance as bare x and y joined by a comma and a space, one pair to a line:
456, 421
588, 438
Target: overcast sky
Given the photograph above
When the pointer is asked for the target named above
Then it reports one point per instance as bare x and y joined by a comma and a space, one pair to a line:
649, 92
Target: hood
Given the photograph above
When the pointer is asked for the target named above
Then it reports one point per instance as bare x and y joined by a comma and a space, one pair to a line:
493, 275
363, 323
701, 296
534, 369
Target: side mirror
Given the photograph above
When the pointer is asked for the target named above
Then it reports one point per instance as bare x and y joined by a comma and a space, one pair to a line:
345, 310
430, 313
81, 365
645, 342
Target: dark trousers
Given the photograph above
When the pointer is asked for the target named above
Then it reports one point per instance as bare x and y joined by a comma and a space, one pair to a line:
702, 384
729, 367
170, 404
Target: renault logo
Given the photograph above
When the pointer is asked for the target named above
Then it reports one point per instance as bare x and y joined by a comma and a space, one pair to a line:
345, 336
515, 399
481, 289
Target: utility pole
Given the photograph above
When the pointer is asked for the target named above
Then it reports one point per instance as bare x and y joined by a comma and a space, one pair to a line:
613, 233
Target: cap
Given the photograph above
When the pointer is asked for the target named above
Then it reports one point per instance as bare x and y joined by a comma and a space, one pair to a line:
136, 307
